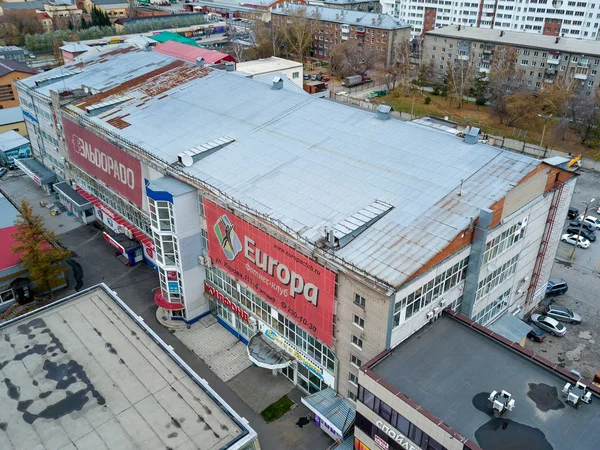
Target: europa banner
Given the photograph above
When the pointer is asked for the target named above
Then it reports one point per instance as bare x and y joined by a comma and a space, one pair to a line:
117, 169
294, 284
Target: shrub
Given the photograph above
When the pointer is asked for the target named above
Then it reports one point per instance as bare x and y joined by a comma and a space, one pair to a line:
427, 100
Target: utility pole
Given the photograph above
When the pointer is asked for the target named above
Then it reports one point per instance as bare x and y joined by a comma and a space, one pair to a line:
545, 117
587, 205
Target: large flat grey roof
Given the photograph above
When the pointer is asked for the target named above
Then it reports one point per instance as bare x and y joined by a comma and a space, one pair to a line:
520, 39
85, 373
450, 370
312, 163
350, 17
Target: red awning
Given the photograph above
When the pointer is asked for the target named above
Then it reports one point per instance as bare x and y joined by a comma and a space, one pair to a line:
139, 235
164, 303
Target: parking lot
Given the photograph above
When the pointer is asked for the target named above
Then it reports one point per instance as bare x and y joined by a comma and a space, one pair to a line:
580, 348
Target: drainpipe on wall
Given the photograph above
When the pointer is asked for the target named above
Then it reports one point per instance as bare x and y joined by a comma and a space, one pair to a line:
475, 262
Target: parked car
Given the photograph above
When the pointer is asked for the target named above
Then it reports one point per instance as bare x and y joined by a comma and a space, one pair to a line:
549, 324
563, 314
556, 286
591, 220
589, 235
587, 226
573, 212
325, 79
307, 77
3, 171
572, 239
536, 334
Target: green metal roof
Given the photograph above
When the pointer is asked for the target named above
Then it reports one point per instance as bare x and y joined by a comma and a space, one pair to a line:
170, 36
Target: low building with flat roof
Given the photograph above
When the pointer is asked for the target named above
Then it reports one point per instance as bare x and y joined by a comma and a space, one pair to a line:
105, 383
432, 392
292, 69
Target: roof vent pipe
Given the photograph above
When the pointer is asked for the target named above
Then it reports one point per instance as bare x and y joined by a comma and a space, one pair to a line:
384, 112
229, 66
277, 83
200, 62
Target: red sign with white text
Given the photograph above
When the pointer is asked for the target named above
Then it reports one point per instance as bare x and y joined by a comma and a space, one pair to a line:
294, 284
111, 165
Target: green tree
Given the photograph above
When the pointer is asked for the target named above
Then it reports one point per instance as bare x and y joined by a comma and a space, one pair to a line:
36, 245
479, 86
70, 25
83, 25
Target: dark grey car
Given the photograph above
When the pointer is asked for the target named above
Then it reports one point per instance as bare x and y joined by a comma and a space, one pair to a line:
563, 314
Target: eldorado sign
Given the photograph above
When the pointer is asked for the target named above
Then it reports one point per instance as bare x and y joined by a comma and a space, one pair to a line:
297, 286
119, 170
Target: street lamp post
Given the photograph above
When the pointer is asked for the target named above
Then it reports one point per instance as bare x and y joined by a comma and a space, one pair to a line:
587, 205
545, 117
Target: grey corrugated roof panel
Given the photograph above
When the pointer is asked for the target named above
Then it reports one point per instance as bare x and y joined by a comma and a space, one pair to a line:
308, 172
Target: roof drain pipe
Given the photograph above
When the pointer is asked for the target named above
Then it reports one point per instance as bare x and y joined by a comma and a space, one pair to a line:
475, 262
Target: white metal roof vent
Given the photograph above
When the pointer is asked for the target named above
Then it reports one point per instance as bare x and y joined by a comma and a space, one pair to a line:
349, 228
200, 62
471, 135
277, 83
229, 66
111, 102
189, 157
384, 112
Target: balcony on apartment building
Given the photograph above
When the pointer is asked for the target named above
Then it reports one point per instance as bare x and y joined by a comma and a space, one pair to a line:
554, 58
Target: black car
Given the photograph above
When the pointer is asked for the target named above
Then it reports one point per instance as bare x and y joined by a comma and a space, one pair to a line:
590, 236
536, 334
573, 212
586, 226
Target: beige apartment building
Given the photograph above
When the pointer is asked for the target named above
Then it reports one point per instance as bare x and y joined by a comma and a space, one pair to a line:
542, 59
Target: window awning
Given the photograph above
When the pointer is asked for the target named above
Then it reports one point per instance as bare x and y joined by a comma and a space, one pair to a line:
264, 354
76, 199
337, 412
162, 302
139, 235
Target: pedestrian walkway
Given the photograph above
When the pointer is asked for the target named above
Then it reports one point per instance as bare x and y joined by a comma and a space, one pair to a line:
222, 352
259, 387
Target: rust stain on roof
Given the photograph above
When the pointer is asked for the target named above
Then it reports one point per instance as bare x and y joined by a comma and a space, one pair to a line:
152, 83
118, 122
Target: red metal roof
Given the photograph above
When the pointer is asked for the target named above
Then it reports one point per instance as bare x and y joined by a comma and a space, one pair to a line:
7, 257
191, 54
139, 235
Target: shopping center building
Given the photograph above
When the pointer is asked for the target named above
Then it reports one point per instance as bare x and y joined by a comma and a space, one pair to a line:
333, 231
438, 390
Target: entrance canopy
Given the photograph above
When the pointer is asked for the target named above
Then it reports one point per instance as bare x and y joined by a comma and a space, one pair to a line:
35, 171
335, 413
264, 354
510, 327
78, 202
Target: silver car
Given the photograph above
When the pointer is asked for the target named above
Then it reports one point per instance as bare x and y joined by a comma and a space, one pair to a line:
549, 324
563, 314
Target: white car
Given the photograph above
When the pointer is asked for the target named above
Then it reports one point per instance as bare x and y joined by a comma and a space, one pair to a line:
548, 324
591, 220
572, 238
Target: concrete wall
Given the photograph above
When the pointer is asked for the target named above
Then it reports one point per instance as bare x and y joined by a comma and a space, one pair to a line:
375, 315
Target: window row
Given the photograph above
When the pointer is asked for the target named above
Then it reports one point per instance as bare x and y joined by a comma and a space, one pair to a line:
395, 419
489, 283
424, 295
503, 242
276, 320
161, 215
493, 310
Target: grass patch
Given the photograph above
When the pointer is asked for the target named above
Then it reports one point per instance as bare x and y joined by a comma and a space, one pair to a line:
275, 410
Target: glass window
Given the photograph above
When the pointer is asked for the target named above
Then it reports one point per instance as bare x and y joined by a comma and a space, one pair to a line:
369, 399
360, 301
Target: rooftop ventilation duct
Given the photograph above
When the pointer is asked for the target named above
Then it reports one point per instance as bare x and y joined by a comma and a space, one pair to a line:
200, 62
189, 157
277, 83
384, 112
229, 66
471, 135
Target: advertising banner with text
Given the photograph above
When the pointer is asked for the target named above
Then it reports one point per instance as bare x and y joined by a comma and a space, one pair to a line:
294, 284
120, 171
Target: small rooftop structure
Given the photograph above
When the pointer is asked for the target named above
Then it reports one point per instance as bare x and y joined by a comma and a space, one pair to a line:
167, 36
11, 115
357, 18
449, 370
11, 139
191, 54
267, 65
75, 47
110, 382
10, 65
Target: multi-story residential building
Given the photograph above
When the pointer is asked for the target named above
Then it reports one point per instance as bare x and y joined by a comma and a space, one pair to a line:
335, 232
350, 5
381, 32
579, 19
540, 59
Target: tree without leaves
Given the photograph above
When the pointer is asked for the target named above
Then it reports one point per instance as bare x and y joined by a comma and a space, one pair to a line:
400, 72
459, 78
504, 78
558, 98
40, 259
522, 105
16, 25
584, 115
298, 32
267, 40
352, 58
